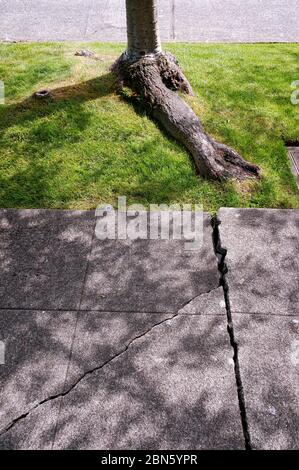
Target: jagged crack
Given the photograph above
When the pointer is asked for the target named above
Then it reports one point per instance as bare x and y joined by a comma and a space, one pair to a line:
221, 253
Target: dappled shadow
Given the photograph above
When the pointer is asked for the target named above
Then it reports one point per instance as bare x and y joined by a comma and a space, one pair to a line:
172, 389
31, 182
268, 357
149, 275
163, 393
58, 148
44, 256
263, 259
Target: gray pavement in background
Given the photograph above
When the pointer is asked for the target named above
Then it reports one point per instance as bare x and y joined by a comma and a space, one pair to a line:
124, 345
180, 20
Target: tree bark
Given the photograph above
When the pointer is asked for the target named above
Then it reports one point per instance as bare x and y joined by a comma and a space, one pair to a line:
155, 78
142, 28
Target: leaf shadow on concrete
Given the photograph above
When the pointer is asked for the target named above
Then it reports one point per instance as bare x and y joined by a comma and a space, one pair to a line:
172, 389
268, 357
262, 259
44, 256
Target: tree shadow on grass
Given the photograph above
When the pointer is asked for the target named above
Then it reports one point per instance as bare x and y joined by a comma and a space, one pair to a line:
43, 140
32, 129
60, 99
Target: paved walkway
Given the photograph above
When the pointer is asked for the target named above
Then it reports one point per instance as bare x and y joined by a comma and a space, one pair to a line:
133, 345
180, 20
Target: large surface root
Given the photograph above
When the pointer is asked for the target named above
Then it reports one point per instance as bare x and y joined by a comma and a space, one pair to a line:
155, 80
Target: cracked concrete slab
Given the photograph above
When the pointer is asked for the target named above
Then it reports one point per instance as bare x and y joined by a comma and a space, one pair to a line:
262, 259
37, 352
35, 433
101, 336
210, 303
43, 257
149, 381
148, 275
173, 388
268, 350
156, 370
33, 408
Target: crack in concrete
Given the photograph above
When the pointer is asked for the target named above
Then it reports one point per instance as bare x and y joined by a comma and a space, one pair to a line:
101, 366
222, 266
89, 310
266, 314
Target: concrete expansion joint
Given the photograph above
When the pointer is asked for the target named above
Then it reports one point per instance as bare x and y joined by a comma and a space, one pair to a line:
221, 254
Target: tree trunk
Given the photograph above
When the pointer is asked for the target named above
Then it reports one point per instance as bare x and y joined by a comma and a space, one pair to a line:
155, 77
142, 28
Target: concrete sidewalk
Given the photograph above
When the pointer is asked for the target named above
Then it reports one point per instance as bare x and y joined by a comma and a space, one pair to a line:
263, 296
179, 20
135, 345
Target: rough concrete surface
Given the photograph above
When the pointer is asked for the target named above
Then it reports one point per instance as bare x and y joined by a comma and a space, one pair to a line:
262, 294
43, 257
174, 388
126, 344
37, 353
269, 363
262, 259
179, 20
148, 275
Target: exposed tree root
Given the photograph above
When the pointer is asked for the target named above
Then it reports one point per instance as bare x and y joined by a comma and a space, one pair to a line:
155, 79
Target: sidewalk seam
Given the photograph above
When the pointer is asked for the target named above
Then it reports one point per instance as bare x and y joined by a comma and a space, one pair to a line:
173, 20
75, 331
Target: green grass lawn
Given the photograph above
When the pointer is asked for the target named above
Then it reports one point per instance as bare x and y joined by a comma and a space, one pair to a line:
87, 146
